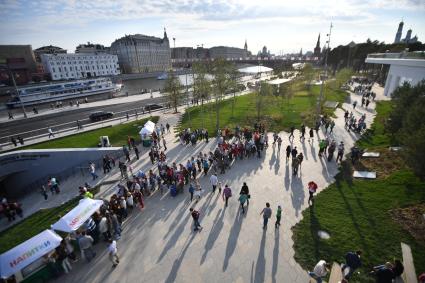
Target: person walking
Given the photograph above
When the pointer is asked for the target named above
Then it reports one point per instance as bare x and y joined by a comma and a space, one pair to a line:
288, 152
279, 143
113, 252
267, 213
195, 215
294, 153
227, 193
245, 191
312, 188
136, 151
332, 127
295, 166
354, 104
191, 191
311, 135
51, 134
214, 182
242, 199
340, 152
300, 158
319, 271
292, 133
168, 127
92, 169
278, 216
86, 246
10, 115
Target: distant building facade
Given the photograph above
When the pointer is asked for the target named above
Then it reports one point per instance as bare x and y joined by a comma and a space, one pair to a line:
91, 48
20, 60
48, 50
80, 65
141, 53
227, 52
182, 53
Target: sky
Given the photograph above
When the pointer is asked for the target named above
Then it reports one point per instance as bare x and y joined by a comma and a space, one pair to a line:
283, 26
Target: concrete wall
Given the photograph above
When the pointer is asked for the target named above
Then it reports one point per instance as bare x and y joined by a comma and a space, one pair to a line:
398, 74
25, 170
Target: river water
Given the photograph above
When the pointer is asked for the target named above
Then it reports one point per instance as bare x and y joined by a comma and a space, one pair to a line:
147, 84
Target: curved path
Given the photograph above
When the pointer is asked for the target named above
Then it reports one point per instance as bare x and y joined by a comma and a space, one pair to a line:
159, 245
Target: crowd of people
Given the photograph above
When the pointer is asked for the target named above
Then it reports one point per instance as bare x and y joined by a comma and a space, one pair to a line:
383, 273
11, 209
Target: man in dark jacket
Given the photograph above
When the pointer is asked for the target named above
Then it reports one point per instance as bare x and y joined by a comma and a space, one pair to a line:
352, 262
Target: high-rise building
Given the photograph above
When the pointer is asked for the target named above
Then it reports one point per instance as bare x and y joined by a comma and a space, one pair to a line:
140, 53
399, 32
317, 48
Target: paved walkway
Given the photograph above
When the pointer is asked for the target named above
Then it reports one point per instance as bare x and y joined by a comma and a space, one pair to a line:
159, 245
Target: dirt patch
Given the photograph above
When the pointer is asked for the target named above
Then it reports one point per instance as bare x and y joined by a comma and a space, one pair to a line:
412, 220
387, 163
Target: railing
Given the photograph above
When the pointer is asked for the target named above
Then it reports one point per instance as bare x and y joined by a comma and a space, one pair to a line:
401, 55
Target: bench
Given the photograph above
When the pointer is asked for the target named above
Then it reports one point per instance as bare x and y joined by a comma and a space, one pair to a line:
364, 174
371, 154
336, 273
409, 274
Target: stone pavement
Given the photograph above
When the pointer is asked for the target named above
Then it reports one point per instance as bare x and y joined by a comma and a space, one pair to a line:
158, 244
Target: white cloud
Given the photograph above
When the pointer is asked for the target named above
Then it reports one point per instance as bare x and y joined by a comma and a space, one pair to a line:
191, 19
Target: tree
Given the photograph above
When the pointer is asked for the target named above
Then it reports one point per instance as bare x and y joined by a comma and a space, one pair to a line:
407, 124
173, 89
341, 77
201, 85
264, 92
221, 83
233, 83
308, 74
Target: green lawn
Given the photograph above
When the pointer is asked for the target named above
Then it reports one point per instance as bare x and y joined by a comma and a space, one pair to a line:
356, 213
33, 225
117, 136
277, 113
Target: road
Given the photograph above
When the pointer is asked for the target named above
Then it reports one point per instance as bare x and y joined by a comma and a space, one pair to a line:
61, 120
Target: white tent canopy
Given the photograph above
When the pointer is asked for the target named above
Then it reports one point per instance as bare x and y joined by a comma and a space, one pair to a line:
148, 129
78, 215
29, 251
255, 70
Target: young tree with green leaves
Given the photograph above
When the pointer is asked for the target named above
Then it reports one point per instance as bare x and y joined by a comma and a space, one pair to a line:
262, 94
308, 73
201, 85
221, 83
173, 90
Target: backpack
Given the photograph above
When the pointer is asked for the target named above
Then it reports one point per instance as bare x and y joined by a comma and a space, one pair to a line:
191, 189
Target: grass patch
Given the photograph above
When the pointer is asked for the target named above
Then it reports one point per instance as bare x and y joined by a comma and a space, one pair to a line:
36, 223
277, 114
358, 213
117, 136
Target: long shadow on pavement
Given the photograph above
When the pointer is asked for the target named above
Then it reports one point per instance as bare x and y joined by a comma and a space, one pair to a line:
233, 239
213, 234
260, 265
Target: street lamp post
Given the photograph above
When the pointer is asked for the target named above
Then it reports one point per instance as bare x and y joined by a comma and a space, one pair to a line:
187, 97
17, 93
324, 77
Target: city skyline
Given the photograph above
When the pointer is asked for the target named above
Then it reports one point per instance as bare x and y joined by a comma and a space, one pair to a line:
282, 27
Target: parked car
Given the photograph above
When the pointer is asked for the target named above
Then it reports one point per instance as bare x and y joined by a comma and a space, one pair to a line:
151, 107
100, 115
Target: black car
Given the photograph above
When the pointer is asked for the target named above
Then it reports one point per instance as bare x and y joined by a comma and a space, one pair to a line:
100, 115
151, 107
